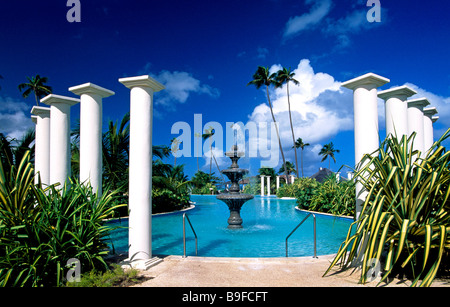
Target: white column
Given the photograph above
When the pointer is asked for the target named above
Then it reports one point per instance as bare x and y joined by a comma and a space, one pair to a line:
91, 109
268, 185
42, 144
262, 185
366, 121
396, 110
415, 121
278, 182
140, 165
60, 151
292, 179
428, 114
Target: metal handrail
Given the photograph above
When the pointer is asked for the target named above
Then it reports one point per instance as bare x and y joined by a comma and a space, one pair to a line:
315, 250
184, 235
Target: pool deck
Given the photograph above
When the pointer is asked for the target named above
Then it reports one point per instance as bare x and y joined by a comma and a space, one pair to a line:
175, 271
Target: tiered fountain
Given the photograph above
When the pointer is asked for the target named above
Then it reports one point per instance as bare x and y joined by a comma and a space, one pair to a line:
234, 199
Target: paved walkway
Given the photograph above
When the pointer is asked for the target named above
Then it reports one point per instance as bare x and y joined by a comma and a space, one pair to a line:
175, 271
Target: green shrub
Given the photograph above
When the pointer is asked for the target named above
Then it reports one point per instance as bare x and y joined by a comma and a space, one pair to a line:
405, 222
334, 197
165, 200
40, 230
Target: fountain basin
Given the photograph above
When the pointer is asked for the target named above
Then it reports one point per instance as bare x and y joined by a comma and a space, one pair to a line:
234, 202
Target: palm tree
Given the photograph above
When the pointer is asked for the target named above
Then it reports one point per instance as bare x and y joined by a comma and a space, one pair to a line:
175, 146
285, 76
36, 85
12, 150
328, 151
208, 135
290, 169
115, 148
198, 135
262, 77
299, 144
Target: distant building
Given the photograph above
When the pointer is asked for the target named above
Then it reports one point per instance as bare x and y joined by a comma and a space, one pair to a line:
325, 173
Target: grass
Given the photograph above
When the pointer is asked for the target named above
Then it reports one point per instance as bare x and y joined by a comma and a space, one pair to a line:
115, 277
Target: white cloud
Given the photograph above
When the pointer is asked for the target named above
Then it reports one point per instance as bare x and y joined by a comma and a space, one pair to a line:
341, 28
320, 9
15, 117
319, 108
179, 86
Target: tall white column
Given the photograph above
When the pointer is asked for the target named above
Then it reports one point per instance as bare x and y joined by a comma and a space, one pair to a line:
396, 110
415, 122
42, 144
60, 151
262, 185
428, 114
91, 109
140, 165
278, 182
268, 185
366, 121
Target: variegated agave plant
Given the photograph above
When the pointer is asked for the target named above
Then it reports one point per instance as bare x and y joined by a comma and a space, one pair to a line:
404, 224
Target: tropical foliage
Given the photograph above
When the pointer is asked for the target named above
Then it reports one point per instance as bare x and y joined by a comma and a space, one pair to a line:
300, 144
331, 196
203, 183
37, 86
328, 151
404, 224
40, 230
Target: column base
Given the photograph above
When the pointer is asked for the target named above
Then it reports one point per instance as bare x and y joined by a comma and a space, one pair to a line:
140, 264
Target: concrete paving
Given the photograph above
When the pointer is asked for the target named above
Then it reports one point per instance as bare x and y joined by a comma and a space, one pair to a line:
175, 271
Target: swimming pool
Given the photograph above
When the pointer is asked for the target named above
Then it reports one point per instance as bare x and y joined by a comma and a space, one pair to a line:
267, 222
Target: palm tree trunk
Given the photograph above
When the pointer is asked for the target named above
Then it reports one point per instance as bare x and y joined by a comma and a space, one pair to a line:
302, 161
36, 97
278, 135
292, 128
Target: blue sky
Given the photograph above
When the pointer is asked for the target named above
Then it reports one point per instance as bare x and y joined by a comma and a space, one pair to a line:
206, 52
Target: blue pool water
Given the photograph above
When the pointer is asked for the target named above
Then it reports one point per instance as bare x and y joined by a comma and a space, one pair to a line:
267, 222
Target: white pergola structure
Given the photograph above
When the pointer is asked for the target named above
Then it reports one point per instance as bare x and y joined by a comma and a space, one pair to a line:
365, 121
396, 110
403, 117
140, 166
60, 151
428, 127
91, 110
42, 144
415, 122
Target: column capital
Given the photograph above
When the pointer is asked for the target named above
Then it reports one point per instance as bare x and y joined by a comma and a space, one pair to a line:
34, 119
435, 119
40, 111
419, 103
430, 112
142, 81
368, 80
56, 99
90, 88
401, 92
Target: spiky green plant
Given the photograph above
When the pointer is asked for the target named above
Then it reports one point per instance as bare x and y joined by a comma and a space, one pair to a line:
405, 220
40, 230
